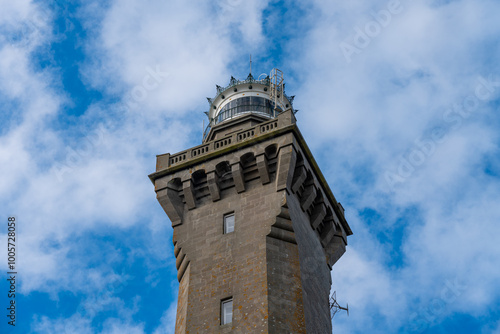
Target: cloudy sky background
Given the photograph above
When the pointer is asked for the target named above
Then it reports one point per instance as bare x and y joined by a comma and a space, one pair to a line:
398, 100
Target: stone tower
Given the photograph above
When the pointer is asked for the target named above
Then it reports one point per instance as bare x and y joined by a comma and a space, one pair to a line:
256, 226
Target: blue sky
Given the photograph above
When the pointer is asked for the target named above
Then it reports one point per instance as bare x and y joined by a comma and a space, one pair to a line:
398, 101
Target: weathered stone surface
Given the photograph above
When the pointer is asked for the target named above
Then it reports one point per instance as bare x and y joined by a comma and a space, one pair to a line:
182, 304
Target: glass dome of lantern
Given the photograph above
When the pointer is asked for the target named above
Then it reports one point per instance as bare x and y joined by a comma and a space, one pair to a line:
264, 97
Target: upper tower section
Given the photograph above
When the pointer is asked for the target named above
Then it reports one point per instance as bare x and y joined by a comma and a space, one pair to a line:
263, 98
257, 228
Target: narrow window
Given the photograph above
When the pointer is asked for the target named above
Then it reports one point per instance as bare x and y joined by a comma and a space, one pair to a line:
226, 311
229, 223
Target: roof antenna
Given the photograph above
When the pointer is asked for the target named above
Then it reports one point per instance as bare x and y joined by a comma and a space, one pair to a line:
250, 63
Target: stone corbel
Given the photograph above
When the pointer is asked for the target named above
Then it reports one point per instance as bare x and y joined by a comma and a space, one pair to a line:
318, 214
308, 197
335, 249
213, 185
327, 233
188, 188
299, 177
171, 202
286, 165
263, 168
239, 181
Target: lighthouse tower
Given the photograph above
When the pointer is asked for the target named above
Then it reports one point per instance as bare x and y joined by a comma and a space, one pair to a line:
256, 227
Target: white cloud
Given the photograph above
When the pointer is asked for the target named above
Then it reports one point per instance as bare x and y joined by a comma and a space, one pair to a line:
80, 325
74, 325
194, 43
167, 322
374, 293
113, 326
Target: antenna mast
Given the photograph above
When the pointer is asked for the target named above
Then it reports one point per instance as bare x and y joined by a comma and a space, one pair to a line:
335, 307
250, 63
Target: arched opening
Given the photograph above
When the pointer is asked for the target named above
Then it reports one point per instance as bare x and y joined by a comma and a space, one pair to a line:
175, 184
247, 160
271, 151
199, 177
223, 169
